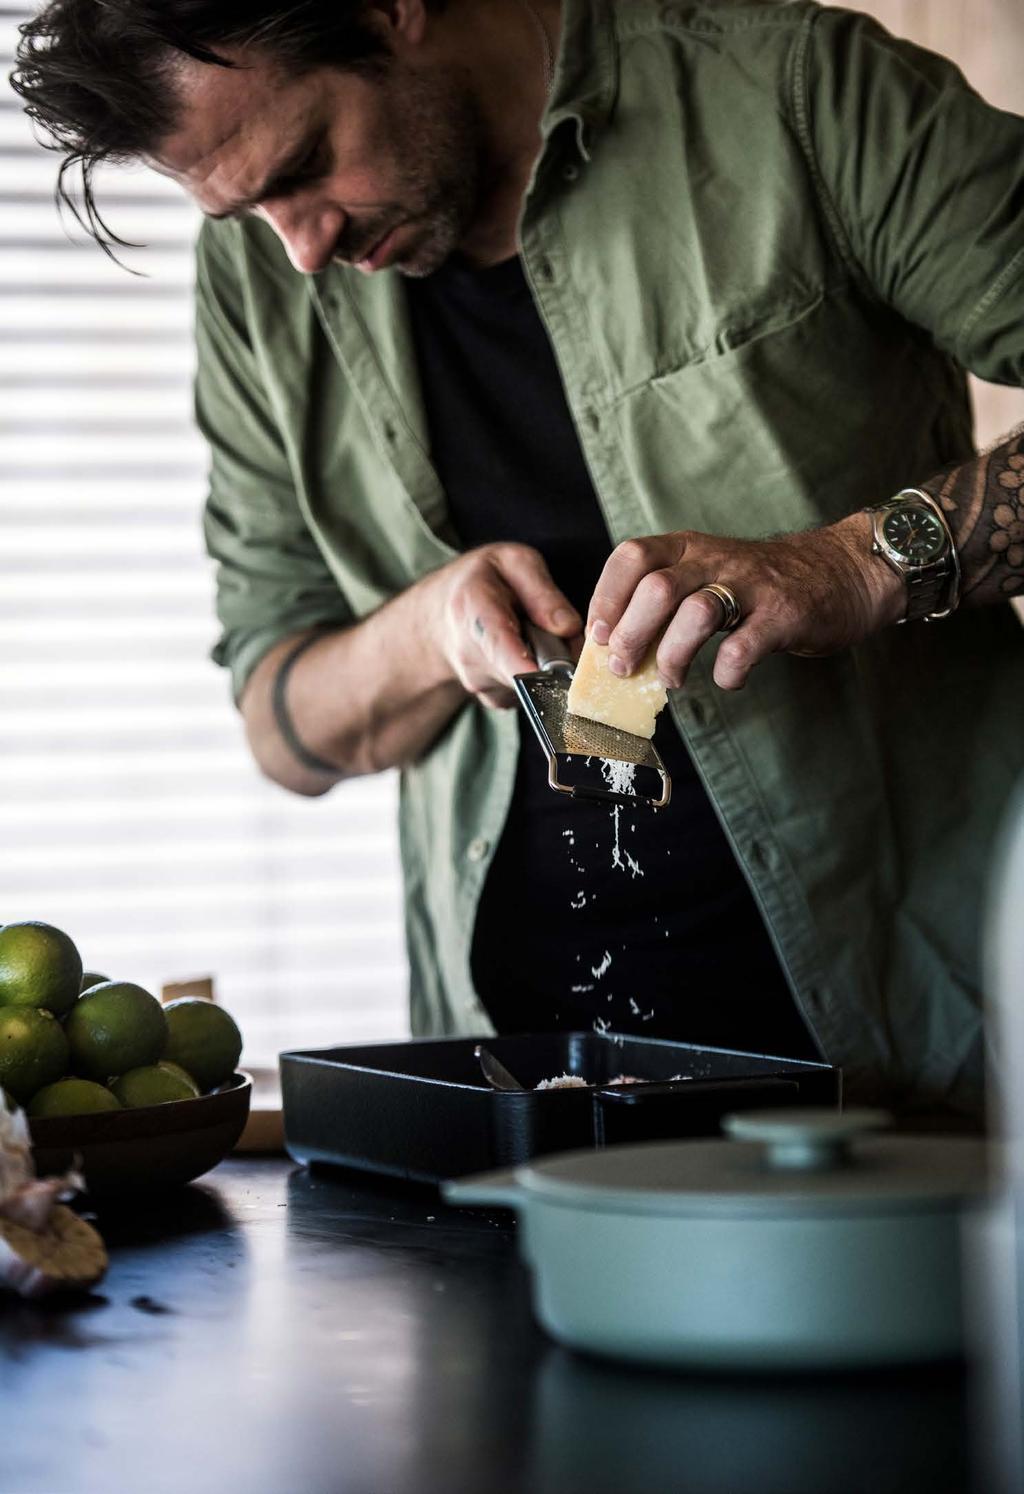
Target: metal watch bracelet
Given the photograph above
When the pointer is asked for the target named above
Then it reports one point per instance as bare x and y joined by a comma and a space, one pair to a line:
953, 594
932, 586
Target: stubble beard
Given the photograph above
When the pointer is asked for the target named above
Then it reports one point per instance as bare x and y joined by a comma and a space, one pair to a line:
436, 141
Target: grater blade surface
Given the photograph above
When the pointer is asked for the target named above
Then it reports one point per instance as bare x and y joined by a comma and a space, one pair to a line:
543, 695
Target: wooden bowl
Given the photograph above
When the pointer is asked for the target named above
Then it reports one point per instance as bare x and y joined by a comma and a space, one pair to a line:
147, 1147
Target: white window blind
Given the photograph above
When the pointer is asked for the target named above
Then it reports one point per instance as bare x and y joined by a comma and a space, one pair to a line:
131, 814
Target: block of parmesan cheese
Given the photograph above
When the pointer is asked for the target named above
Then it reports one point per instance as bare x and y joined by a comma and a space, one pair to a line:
630, 704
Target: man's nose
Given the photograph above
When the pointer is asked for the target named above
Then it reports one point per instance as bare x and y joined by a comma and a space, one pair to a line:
308, 231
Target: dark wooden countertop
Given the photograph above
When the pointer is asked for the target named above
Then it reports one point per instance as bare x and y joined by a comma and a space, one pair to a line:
271, 1330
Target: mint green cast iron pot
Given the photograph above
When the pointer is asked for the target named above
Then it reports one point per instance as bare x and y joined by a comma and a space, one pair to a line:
802, 1243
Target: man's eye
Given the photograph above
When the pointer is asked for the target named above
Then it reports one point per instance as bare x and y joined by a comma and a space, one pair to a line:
310, 170
312, 167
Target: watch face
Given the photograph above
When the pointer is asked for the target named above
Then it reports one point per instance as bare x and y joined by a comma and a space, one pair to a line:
914, 533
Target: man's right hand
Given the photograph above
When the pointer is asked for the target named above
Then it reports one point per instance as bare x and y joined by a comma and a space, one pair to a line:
375, 694
481, 600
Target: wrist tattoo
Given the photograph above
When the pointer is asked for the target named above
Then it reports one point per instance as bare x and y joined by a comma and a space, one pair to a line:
983, 500
282, 715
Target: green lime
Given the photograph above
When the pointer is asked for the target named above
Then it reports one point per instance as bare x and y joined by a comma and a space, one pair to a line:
113, 1028
73, 1097
203, 1039
176, 1068
33, 1051
154, 1084
92, 978
39, 966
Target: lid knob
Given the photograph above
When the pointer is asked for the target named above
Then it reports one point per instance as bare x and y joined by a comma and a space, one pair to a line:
807, 1140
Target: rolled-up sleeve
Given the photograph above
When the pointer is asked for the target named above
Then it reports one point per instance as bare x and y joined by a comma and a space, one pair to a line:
923, 182
272, 580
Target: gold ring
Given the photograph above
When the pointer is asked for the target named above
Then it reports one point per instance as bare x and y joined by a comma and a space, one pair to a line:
727, 601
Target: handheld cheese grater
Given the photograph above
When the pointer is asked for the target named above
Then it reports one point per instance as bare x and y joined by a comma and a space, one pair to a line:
567, 739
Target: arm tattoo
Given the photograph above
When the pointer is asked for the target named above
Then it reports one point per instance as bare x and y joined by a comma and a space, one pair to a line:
983, 499
283, 716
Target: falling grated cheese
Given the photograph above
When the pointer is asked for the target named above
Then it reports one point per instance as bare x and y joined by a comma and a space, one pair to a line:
629, 704
630, 863
619, 776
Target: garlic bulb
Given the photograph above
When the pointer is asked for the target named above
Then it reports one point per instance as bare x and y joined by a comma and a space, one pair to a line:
16, 1167
43, 1245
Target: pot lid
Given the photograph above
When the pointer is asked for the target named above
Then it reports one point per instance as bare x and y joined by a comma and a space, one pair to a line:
778, 1161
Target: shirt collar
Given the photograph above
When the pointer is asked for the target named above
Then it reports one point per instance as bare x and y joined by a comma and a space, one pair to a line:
586, 71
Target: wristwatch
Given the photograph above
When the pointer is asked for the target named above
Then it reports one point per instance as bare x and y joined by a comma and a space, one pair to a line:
911, 534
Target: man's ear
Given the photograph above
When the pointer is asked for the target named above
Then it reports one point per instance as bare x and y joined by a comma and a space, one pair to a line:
401, 21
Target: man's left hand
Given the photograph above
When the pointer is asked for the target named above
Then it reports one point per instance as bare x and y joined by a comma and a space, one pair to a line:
811, 593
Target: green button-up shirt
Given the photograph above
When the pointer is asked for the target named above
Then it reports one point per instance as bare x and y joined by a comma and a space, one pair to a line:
766, 241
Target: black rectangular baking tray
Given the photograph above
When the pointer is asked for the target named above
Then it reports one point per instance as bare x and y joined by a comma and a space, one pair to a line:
422, 1109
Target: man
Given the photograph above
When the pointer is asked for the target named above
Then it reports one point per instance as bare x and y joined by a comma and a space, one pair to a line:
511, 311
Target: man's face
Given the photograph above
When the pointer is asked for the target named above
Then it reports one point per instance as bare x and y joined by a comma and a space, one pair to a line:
368, 172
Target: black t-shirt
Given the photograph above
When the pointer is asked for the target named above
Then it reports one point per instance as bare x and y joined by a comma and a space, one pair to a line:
592, 913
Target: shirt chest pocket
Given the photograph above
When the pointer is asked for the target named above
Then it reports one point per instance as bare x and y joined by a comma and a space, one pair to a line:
681, 246
761, 432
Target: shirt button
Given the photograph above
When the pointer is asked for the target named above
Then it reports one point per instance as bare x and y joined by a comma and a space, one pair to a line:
546, 270
390, 434
570, 172
478, 848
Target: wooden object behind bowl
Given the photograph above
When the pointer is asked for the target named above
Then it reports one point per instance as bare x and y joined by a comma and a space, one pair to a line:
200, 985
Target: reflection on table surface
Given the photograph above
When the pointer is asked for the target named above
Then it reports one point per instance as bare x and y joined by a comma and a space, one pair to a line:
283, 1331
601, 1426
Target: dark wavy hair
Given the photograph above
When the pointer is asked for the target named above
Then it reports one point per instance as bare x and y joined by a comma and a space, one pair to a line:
97, 76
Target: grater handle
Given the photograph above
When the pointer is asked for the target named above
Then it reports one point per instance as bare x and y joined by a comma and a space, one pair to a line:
552, 652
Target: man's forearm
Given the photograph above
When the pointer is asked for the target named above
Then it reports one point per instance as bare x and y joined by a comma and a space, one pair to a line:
983, 500
377, 694
363, 698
